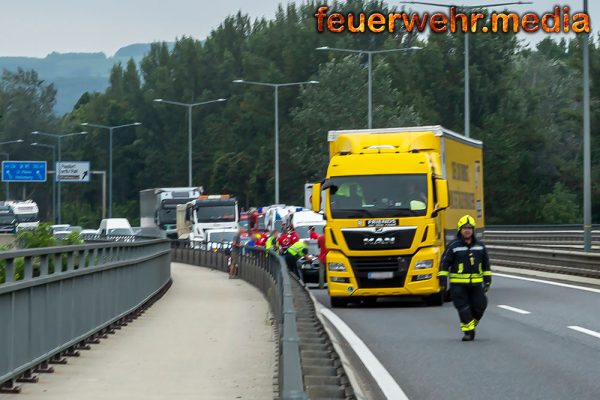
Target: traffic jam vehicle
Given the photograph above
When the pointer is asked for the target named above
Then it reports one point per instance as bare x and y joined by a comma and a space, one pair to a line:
392, 198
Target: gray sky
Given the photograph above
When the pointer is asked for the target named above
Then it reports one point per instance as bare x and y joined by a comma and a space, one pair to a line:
38, 27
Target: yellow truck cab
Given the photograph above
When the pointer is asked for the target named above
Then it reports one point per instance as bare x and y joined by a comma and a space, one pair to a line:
392, 200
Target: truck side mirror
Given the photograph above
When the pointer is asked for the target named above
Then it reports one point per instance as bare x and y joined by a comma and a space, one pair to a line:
315, 198
441, 189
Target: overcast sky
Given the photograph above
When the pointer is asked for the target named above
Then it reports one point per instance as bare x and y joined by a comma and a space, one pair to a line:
38, 27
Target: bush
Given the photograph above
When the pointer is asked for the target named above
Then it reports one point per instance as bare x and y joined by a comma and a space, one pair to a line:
40, 236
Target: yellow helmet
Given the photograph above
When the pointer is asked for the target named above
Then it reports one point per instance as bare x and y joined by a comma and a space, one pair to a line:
468, 221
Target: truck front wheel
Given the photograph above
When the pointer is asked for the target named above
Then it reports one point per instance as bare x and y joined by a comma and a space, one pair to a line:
338, 302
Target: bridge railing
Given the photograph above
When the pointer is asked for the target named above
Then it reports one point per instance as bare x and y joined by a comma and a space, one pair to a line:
269, 273
55, 298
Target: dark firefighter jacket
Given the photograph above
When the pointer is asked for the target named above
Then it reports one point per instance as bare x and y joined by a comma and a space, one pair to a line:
466, 264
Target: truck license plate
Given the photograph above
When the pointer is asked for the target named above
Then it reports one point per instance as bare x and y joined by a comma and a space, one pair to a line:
381, 275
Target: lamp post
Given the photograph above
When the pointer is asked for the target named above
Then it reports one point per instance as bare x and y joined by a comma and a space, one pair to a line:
369, 53
7, 159
7, 156
276, 86
110, 157
587, 163
59, 139
189, 107
50, 146
467, 111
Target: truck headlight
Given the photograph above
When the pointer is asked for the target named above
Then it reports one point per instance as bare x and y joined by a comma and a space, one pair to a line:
339, 267
424, 264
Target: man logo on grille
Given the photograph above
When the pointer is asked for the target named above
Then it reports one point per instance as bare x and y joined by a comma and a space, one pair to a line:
379, 241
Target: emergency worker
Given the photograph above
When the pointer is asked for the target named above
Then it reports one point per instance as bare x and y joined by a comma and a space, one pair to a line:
271, 242
466, 263
294, 253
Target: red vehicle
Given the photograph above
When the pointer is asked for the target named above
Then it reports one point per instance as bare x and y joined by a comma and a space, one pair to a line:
244, 225
257, 222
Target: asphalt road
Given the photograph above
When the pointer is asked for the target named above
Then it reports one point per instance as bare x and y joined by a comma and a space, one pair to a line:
514, 356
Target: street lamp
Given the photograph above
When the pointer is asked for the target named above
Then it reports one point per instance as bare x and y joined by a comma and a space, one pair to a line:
110, 162
50, 146
58, 138
467, 74
7, 156
189, 107
370, 54
7, 159
276, 86
587, 164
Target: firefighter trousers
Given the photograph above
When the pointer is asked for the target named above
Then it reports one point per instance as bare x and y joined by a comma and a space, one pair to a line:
470, 302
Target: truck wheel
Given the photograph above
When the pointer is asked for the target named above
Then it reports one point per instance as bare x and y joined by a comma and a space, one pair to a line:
435, 300
338, 302
370, 301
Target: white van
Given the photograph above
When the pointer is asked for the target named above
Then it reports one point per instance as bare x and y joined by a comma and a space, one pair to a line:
115, 227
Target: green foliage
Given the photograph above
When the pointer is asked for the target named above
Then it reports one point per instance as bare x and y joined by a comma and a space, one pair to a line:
560, 206
40, 236
525, 106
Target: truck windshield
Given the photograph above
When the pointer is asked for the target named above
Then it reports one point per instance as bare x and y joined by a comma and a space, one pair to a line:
261, 223
215, 213
167, 214
30, 217
245, 224
6, 219
378, 196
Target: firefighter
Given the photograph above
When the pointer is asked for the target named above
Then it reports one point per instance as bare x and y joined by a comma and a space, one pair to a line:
466, 263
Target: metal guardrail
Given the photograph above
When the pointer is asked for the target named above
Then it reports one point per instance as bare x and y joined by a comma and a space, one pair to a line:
547, 228
68, 294
566, 262
97, 238
270, 275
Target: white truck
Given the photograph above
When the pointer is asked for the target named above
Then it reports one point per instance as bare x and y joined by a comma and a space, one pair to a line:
158, 209
302, 220
207, 212
26, 214
277, 214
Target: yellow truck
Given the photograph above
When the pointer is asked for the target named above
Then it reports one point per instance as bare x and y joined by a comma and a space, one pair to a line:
392, 200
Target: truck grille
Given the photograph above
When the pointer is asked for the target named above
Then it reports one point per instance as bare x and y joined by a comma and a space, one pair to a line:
371, 239
397, 265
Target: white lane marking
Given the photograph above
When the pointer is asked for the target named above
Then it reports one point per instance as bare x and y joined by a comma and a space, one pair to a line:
566, 285
386, 382
586, 331
514, 309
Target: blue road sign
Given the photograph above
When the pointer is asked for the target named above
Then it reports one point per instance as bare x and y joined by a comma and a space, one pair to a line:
24, 171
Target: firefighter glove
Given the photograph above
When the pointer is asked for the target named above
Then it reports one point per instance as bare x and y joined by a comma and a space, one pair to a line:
443, 282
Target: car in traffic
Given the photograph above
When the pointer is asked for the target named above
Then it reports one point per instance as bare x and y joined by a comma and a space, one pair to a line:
310, 267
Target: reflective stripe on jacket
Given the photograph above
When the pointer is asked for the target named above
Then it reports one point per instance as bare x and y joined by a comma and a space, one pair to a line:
296, 248
464, 263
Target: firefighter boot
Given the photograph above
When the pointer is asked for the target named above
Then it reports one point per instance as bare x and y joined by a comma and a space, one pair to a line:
469, 336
